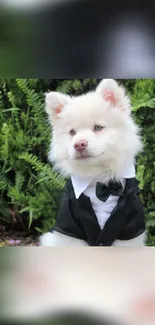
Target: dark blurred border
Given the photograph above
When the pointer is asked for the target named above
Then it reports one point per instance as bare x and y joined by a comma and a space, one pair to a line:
68, 318
78, 39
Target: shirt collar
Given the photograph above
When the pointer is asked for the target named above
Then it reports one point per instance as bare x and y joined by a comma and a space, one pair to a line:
81, 183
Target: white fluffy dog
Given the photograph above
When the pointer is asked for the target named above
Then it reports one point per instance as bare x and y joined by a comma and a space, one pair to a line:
95, 141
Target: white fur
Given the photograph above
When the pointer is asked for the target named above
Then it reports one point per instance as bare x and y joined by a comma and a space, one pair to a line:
58, 239
110, 149
122, 100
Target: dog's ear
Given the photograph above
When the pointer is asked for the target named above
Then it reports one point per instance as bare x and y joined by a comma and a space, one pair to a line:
54, 103
114, 94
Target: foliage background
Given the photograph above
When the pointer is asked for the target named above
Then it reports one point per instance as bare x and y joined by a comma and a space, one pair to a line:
29, 188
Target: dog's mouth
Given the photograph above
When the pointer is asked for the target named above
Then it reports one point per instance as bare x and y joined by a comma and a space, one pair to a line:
86, 156
83, 157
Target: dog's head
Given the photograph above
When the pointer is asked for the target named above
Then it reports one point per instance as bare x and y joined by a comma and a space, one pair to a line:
94, 132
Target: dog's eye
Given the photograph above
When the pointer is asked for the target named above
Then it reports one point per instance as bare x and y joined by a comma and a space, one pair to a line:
98, 128
72, 132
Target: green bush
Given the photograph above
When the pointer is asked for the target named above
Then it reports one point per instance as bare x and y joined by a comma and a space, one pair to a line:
143, 99
29, 188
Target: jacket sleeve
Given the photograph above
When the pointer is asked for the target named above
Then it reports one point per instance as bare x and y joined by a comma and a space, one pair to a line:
67, 219
135, 218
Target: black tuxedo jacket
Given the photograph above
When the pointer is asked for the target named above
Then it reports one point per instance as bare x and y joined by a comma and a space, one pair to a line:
76, 217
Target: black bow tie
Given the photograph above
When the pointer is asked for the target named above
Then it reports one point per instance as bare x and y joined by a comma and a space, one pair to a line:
104, 191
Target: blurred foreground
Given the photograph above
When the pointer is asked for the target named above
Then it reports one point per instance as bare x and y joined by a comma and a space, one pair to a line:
38, 285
